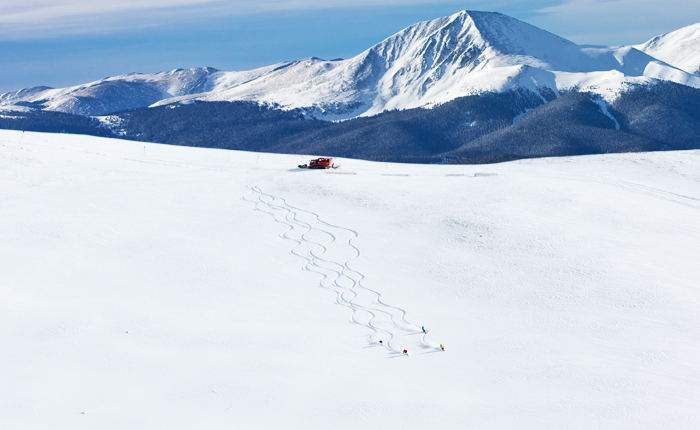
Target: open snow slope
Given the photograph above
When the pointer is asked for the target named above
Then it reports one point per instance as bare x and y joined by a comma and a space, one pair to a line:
152, 286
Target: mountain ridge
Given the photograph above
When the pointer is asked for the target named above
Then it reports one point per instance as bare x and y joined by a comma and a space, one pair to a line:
680, 47
426, 64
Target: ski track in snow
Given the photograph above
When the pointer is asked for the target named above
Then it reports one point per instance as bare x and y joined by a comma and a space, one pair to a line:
327, 250
681, 199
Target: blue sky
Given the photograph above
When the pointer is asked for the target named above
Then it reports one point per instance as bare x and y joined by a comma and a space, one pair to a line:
68, 42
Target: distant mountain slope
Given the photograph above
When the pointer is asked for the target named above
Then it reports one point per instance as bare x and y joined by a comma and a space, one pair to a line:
131, 91
29, 119
573, 124
680, 48
666, 112
426, 64
664, 116
484, 128
416, 135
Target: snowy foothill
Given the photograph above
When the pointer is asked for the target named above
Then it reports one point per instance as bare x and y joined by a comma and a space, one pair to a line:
147, 286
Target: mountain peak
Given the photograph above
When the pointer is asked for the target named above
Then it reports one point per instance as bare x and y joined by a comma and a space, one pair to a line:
480, 34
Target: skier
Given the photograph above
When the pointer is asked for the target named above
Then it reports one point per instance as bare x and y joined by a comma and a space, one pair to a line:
380, 342
405, 351
442, 347
423, 328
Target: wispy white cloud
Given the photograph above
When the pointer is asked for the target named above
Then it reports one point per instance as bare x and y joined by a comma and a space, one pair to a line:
39, 18
617, 22
46, 11
31, 11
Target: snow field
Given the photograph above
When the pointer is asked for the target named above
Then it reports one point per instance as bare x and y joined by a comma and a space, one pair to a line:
151, 286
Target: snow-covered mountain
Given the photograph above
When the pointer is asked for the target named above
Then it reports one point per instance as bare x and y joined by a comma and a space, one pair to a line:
428, 63
440, 60
131, 91
680, 48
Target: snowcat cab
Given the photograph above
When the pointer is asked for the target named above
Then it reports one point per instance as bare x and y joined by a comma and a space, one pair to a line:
321, 163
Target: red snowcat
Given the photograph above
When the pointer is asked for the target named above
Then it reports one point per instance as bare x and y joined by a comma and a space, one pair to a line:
319, 163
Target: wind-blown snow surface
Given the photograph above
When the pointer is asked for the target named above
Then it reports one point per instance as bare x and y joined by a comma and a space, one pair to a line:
141, 287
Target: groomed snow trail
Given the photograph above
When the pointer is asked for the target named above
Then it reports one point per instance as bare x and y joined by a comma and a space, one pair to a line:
327, 250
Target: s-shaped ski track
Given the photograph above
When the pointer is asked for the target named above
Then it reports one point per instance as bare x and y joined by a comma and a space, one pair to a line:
327, 250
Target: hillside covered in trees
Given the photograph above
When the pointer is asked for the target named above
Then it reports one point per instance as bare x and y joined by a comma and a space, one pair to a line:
483, 128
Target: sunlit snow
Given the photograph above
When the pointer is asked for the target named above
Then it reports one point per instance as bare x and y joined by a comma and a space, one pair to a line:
148, 286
